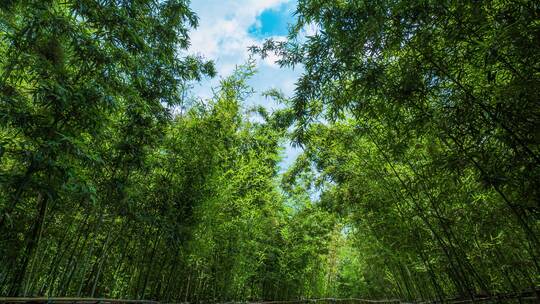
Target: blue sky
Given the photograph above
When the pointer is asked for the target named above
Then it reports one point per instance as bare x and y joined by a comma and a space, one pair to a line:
273, 21
227, 28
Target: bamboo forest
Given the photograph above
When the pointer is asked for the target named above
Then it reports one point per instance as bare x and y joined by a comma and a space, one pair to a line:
413, 127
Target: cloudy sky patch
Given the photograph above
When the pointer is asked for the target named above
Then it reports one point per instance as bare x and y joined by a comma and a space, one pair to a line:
227, 28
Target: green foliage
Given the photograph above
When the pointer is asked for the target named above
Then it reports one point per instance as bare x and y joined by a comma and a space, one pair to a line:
419, 120
419, 177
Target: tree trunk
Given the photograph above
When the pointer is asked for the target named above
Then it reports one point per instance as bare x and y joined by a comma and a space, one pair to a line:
32, 243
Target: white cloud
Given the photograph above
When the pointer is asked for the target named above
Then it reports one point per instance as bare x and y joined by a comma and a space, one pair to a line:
223, 36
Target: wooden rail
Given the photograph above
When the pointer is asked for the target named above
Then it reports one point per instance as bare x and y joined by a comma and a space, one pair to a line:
121, 301
525, 297
324, 300
74, 300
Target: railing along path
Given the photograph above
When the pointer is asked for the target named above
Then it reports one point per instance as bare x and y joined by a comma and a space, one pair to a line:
524, 297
